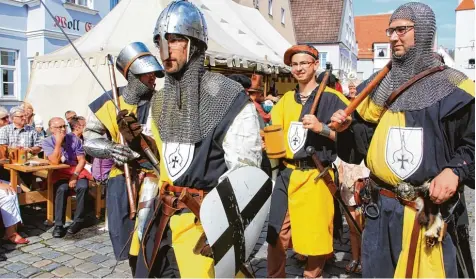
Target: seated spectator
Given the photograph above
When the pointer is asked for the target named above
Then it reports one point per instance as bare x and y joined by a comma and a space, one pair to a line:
4, 118
77, 124
31, 117
18, 134
67, 149
10, 213
39, 129
68, 115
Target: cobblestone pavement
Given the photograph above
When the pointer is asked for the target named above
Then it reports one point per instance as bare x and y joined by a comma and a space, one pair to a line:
89, 252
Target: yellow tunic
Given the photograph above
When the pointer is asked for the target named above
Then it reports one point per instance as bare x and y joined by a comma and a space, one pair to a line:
310, 204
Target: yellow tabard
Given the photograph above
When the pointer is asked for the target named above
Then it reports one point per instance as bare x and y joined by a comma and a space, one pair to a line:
428, 261
185, 234
311, 211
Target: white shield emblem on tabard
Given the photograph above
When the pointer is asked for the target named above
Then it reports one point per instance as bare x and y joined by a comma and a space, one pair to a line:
296, 136
178, 157
404, 150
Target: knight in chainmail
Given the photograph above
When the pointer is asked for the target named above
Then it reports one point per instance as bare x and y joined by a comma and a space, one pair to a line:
205, 127
425, 133
140, 68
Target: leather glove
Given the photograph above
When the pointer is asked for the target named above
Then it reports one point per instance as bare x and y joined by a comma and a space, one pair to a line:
202, 247
128, 125
122, 154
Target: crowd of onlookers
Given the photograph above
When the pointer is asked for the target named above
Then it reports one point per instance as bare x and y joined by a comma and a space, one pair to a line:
60, 142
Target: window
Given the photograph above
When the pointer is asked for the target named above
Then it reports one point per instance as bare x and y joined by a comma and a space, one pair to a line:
256, 4
282, 16
114, 3
322, 59
471, 63
86, 3
8, 59
381, 52
270, 7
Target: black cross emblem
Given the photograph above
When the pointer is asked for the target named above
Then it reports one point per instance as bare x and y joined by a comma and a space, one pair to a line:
403, 161
234, 235
295, 141
174, 161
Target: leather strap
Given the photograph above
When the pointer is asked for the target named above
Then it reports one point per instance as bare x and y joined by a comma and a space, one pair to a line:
412, 250
392, 195
168, 210
128, 65
145, 204
383, 189
395, 94
170, 203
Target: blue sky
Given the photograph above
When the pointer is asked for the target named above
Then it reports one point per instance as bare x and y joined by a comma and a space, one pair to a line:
444, 11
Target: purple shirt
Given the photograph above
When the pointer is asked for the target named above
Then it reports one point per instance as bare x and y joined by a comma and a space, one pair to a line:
101, 168
72, 147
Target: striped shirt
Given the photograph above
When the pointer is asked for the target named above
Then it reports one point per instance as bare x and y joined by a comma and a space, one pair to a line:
19, 137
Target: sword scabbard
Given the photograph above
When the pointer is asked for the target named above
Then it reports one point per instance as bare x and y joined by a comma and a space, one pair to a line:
331, 186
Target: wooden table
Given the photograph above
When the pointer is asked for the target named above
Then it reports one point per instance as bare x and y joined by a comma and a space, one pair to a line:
36, 196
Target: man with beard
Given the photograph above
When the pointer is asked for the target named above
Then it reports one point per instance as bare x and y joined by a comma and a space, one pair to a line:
205, 127
424, 134
140, 68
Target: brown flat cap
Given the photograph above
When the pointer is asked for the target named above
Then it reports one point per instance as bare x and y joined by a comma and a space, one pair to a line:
300, 49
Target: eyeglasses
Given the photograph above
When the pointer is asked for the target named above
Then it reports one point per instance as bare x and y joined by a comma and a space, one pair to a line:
20, 116
400, 30
303, 64
59, 127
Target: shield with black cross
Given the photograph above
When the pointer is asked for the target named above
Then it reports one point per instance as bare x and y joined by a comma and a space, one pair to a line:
233, 215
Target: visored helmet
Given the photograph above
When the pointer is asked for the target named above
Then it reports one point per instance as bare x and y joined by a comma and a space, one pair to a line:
137, 59
183, 18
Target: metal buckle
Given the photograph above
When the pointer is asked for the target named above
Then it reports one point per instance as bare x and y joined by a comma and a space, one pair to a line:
368, 208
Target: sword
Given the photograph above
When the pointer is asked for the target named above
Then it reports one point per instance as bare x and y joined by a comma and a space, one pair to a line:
324, 174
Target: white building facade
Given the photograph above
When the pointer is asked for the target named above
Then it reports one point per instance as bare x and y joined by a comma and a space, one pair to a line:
333, 35
27, 30
464, 38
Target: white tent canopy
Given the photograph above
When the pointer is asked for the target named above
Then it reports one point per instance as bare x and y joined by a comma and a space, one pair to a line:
238, 36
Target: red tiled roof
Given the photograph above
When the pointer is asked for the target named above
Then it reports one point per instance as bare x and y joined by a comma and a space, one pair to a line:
317, 21
370, 29
465, 5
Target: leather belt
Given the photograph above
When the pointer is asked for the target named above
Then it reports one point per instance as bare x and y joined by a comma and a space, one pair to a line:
388, 191
303, 164
171, 199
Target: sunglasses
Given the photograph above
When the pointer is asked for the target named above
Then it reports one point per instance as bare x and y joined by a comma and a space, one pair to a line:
59, 127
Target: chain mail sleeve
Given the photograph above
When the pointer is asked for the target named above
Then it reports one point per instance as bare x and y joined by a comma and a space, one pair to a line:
242, 142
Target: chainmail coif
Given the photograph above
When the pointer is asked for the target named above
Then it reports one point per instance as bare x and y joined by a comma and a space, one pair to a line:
417, 59
192, 102
135, 90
